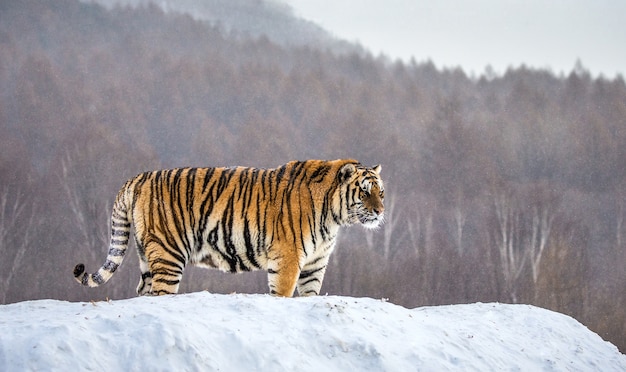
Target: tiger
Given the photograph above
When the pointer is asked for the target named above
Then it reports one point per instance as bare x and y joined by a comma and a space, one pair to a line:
283, 220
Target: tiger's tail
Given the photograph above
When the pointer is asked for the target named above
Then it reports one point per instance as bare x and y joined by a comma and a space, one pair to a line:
120, 233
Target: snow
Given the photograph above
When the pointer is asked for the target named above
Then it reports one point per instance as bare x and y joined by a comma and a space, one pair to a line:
203, 331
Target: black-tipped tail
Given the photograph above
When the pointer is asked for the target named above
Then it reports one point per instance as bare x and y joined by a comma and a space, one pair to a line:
82, 277
79, 270
93, 280
120, 233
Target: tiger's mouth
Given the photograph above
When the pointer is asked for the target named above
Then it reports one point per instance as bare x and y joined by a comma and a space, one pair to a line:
371, 221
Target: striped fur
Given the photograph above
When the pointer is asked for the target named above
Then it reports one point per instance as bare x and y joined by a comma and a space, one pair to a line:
283, 220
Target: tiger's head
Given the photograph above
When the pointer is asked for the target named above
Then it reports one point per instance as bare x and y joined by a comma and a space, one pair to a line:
363, 193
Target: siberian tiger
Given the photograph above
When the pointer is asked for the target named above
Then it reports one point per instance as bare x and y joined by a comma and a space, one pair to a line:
283, 220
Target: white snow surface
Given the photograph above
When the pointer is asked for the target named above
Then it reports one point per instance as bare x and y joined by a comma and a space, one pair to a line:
210, 332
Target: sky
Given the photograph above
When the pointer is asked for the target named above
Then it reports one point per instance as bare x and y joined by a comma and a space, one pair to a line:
550, 34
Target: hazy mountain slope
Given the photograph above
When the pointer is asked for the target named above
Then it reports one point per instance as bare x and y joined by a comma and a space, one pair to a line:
272, 19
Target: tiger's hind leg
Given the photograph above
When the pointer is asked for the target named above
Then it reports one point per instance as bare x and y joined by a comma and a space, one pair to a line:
145, 281
166, 269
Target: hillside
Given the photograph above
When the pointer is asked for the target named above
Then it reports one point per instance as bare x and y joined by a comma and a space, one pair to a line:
204, 331
269, 19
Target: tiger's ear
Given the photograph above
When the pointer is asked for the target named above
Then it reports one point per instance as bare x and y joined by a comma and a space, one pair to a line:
378, 168
345, 172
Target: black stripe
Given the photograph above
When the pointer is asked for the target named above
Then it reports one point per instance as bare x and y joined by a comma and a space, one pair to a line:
166, 273
319, 174
264, 176
260, 228
287, 200
224, 180
139, 246
179, 218
119, 242
97, 278
232, 256
173, 252
326, 211
307, 273
280, 172
302, 284
167, 281
243, 182
208, 177
250, 253
206, 207
165, 226
120, 233
313, 229
167, 263
116, 252
190, 180
125, 225
249, 192
213, 239
110, 266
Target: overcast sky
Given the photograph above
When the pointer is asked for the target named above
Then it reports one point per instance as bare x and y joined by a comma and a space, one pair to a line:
473, 34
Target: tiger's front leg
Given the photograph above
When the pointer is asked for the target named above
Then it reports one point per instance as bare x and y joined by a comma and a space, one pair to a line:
282, 273
312, 276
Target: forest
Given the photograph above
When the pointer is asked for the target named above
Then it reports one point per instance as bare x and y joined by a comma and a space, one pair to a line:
508, 188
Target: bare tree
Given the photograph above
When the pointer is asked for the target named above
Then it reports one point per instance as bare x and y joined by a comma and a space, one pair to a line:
90, 212
564, 284
619, 219
428, 233
542, 217
544, 202
508, 236
415, 231
524, 224
16, 231
460, 218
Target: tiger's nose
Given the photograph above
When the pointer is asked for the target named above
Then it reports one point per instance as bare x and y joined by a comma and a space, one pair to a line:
378, 210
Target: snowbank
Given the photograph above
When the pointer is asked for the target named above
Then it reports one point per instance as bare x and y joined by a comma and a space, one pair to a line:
203, 331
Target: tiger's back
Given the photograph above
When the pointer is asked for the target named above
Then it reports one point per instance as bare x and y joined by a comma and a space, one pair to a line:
283, 220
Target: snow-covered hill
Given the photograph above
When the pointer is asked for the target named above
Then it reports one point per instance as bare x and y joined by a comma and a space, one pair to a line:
203, 331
